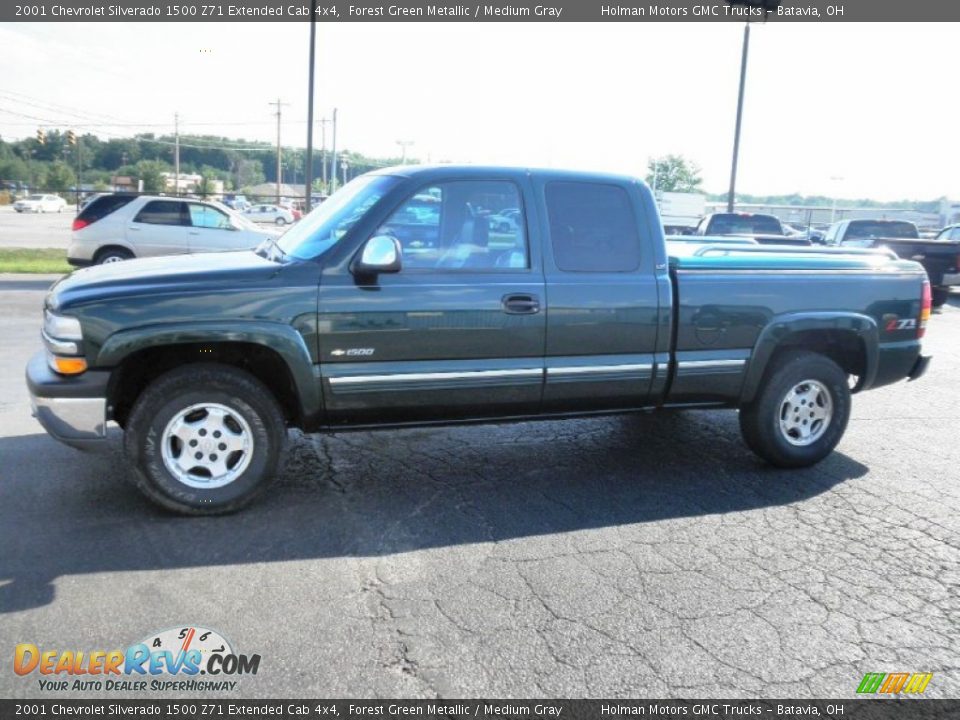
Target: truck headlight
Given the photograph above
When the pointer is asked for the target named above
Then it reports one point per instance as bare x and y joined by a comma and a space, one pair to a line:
61, 327
63, 338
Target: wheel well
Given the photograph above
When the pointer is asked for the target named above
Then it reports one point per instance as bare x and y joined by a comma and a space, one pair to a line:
845, 348
106, 248
140, 369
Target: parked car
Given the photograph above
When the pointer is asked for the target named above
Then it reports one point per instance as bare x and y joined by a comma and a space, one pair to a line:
206, 361
765, 229
236, 202
121, 226
940, 257
269, 214
40, 204
504, 221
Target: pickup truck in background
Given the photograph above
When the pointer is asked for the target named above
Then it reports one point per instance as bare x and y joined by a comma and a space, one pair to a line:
765, 229
380, 310
940, 257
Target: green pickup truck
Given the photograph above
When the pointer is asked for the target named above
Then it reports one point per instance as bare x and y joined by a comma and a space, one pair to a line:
435, 295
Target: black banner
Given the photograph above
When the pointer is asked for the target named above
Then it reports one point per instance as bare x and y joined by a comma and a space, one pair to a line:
452, 11
860, 709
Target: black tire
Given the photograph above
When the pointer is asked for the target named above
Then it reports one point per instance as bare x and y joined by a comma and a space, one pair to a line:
760, 421
111, 255
940, 295
167, 396
280, 221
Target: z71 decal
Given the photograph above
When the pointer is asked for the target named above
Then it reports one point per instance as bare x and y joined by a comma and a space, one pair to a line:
901, 324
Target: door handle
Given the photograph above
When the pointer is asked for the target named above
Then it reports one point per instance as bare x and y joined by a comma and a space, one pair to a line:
134, 228
521, 304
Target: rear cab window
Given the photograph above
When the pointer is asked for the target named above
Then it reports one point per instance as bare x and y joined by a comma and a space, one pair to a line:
592, 227
744, 224
865, 229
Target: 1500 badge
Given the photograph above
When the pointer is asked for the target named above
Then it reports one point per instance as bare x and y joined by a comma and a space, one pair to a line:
352, 352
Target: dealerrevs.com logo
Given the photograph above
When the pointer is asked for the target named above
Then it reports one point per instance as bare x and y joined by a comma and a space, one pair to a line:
170, 660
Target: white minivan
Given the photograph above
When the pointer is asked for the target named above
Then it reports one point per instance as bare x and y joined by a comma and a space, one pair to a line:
124, 226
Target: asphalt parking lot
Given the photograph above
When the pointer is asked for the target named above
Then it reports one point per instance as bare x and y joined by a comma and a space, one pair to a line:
647, 556
35, 230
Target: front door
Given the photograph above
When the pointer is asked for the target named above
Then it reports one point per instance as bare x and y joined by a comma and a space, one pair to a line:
458, 333
211, 230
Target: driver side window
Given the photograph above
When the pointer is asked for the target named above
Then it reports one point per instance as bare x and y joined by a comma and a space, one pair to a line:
463, 225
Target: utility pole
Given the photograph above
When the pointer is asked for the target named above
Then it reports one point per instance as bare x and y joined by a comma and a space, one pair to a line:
308, 175
333, 154
404, 144
176, 154
343, 166
736, 135
323, 152
79, 170
279, 105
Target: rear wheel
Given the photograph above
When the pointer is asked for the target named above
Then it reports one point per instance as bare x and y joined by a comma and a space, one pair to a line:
800, 413
112, 255
205, 439
940, 296
280, 221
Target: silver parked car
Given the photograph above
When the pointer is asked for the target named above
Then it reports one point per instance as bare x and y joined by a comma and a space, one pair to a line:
123, 226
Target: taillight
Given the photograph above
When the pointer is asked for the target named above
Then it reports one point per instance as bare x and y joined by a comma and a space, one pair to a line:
79, 224
926, 305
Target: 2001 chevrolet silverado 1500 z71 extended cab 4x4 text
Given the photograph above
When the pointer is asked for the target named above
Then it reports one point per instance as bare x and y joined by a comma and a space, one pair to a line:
398, 302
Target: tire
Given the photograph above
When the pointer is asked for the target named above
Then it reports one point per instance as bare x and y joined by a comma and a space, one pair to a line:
112, 255
199, 398
940, 295
816, 392
280, 221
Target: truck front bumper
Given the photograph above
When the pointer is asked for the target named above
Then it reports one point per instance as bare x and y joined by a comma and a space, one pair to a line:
72, 410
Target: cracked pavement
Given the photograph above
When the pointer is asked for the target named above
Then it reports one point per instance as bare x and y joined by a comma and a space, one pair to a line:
640, 556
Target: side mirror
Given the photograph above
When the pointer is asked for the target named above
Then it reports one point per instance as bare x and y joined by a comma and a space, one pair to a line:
380, 254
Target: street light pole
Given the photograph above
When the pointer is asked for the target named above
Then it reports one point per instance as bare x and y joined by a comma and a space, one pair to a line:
308, 173
736, 134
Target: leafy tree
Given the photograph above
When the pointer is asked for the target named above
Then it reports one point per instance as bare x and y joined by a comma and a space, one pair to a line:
673, 173
59, 177
205, 186
149, 172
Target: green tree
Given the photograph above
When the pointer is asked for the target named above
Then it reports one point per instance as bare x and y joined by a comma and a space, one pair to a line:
149, 172
673, 173
58, 177
205, 186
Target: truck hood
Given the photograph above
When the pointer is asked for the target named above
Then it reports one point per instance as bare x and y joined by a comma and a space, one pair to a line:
178, 273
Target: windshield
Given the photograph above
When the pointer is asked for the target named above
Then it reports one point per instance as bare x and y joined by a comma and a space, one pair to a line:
880, 229
35, 197
324, 226
733, 224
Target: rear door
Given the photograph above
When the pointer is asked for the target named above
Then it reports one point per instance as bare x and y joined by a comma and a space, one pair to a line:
602, 298
159, 228
458, 332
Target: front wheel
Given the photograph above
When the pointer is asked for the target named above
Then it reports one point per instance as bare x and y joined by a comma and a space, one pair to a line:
280, 221
800, 413
205, 439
